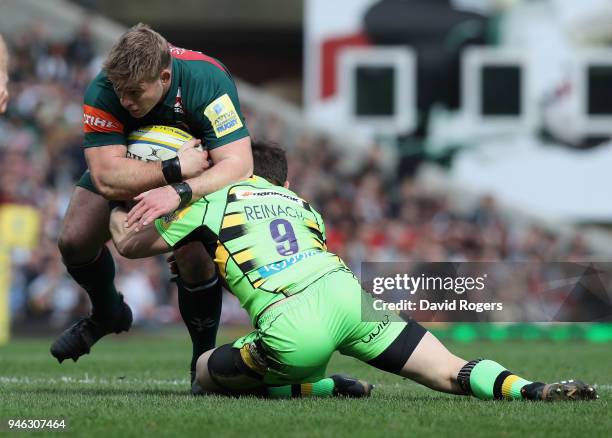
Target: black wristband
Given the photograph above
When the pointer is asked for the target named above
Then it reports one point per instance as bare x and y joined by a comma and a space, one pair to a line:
184, 191
172, 170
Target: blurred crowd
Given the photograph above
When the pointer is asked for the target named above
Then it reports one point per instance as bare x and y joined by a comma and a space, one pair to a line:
369, 214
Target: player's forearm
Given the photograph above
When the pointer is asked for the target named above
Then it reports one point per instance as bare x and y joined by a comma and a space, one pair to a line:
227, 171
117, 227
131, 242
123, 178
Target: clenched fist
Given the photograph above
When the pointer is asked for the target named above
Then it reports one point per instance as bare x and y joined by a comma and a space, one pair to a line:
193, 159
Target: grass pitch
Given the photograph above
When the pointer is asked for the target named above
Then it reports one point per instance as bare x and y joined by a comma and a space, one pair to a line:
134, 385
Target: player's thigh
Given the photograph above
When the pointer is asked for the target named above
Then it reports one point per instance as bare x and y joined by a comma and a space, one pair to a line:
194, 264
85, 226
295, 341
384, 344
363, 333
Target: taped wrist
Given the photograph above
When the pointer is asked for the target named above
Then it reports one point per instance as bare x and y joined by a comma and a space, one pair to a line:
184, 191
172, 170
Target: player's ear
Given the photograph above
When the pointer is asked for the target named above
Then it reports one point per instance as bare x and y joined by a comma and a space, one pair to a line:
165, 76
286, 185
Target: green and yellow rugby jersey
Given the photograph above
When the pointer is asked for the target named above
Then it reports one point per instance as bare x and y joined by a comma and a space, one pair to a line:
202, 100
268, 243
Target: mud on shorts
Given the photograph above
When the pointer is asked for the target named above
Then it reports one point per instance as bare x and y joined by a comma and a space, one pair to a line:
295, 339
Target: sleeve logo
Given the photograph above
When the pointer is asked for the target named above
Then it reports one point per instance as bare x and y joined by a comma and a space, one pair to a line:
96, 120
223, 116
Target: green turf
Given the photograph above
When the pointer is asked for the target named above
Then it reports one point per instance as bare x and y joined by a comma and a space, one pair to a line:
137, 384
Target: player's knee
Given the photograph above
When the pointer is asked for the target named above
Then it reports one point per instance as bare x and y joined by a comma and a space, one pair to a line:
222, 368
195, 266
224, 371
75, 249
69, 245
202, 374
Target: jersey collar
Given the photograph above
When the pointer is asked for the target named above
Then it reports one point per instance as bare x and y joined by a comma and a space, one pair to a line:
259, 180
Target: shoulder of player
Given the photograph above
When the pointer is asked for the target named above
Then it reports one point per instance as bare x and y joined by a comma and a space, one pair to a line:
201, 82
223, 193
100, 92
262, 187
254, 183
100, 83
207, 69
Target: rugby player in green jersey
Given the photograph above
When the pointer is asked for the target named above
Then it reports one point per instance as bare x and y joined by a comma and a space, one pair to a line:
269, 247
146, 81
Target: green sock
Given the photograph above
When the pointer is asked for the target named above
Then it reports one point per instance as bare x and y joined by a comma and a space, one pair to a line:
200, 308
489, 380
322, 388
98, 280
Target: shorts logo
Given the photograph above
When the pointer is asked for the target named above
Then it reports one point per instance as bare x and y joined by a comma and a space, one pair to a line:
379, 328
96, 120
223, 116
166, 220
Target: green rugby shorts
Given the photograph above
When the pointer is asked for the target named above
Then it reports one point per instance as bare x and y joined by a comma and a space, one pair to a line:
299, 336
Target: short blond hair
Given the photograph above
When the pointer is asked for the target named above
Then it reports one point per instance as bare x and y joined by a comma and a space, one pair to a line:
139, 56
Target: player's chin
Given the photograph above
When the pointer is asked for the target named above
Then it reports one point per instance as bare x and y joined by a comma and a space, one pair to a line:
137, 114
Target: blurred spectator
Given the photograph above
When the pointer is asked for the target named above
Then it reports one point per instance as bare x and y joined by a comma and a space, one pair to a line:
137, 288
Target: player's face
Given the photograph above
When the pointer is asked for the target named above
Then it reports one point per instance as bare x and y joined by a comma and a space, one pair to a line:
141, 99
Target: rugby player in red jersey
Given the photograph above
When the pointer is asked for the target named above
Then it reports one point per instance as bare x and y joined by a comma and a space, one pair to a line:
146, 81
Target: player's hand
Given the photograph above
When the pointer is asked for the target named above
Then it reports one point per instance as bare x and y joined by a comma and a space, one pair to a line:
193, 160
151, 205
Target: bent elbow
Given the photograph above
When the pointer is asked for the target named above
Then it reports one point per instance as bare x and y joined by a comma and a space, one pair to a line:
102, 187
248, 170
102, 180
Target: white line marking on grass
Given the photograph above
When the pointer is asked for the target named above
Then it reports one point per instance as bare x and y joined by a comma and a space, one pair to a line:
20, 380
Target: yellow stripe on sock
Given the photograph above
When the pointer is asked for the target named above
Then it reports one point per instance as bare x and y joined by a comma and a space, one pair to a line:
306, 389
507, 385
